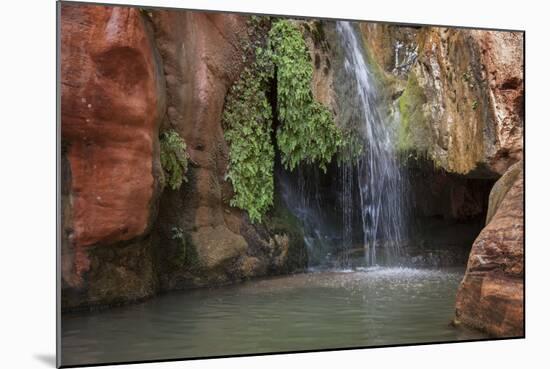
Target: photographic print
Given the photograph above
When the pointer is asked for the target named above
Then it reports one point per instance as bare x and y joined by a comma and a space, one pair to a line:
241, 184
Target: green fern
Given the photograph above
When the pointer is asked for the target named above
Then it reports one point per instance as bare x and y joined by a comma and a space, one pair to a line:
173, 158
247, 122
307, 132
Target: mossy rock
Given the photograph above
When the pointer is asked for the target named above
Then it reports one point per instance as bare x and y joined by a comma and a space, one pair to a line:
413, 131
280, 221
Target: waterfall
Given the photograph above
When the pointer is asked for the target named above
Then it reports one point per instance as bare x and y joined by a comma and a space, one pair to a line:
369, 191
380, 181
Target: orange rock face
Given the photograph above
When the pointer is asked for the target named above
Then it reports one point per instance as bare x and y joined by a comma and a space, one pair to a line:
502, 59
490, 296
202, 57
470, 91
111, 105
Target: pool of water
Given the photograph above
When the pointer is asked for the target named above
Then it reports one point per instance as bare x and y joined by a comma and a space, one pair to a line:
317, 310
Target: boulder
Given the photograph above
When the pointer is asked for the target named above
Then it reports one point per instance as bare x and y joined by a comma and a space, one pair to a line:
218, 246
501, 188
490, 297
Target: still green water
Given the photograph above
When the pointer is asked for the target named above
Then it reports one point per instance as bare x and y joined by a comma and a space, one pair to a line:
319, 310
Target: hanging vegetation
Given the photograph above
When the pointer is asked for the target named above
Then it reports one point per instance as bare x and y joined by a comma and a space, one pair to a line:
307, 132
247, 123
173, 158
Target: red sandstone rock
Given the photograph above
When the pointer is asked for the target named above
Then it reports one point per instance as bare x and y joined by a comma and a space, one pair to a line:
202, 56
111, 104
490, 296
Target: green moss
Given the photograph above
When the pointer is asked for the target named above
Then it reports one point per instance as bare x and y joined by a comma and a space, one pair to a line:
307, 132
387, 81
413, 132
378, 72
280, 220
173, 158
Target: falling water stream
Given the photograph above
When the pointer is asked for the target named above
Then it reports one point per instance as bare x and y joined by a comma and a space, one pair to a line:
377, 173
380, 180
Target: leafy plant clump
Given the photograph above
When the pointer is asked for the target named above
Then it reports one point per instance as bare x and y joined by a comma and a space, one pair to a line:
173, 158
307, 132
351, 148
247, 122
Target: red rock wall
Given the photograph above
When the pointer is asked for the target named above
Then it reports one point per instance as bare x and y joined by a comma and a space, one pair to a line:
490, 296
111, 104
202, 57
202, 54
118, 92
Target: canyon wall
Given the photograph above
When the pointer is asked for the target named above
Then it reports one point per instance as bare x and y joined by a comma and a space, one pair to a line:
203, 56
127, 75
458, 92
